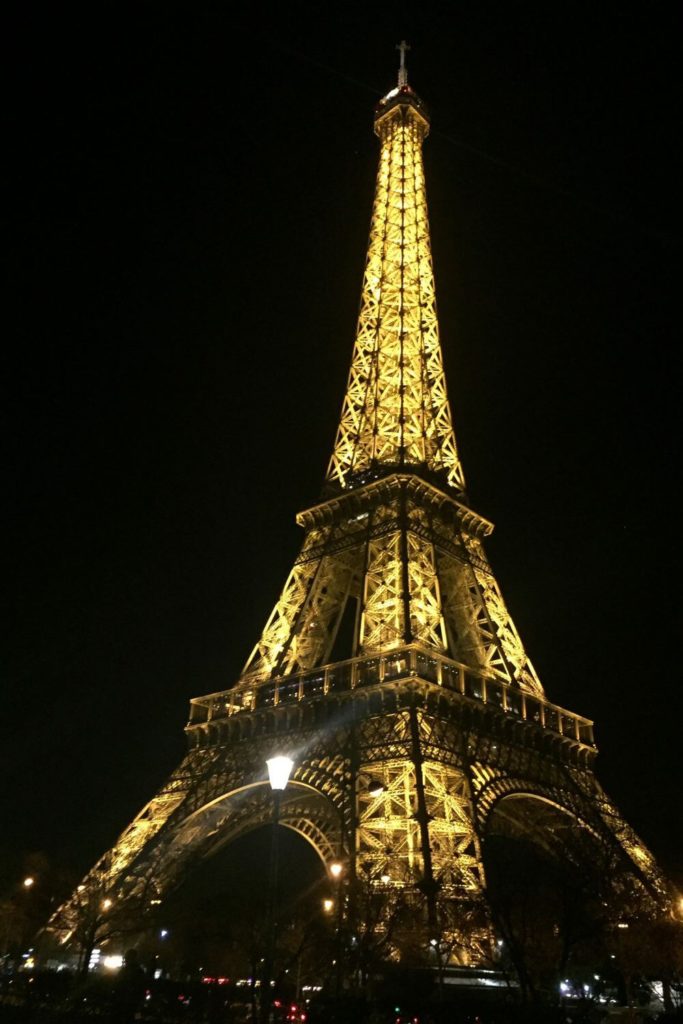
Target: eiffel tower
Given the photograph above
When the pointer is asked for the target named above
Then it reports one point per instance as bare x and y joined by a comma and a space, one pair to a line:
434, 727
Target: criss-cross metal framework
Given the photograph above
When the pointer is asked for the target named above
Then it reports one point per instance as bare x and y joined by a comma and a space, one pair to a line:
390, 668
396, 411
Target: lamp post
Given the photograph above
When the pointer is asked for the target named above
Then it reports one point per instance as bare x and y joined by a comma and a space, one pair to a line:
279, 770
336, 871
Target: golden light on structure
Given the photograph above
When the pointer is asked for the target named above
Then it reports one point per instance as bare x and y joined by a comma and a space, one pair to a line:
396, 410
449, 718
106, 903
411, 555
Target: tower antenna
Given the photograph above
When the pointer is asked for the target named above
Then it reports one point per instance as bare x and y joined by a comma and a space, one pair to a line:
403, 48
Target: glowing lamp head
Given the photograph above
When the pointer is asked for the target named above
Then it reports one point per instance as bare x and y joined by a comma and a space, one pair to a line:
336, 869
279, 770
28, 882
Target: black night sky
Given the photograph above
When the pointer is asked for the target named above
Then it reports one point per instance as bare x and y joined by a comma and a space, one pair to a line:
189, 191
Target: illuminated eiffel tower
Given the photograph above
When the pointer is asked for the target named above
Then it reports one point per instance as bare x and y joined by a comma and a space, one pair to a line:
433, 729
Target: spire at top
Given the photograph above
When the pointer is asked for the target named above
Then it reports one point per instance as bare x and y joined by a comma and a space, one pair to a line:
396, 415
403, 48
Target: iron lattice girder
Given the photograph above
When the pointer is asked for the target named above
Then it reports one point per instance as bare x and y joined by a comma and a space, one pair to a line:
413, 558
396, 409
403, 752
472, 757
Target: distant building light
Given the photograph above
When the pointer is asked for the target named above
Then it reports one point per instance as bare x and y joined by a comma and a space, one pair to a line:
112, 963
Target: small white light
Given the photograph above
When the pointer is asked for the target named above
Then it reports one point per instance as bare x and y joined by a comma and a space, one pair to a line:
336, 869
112, 963
163, 933
385, 878
328, 906
279, 769
28, 882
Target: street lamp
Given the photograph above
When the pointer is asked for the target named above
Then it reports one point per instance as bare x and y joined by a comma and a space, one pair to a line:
336, 869
279, 770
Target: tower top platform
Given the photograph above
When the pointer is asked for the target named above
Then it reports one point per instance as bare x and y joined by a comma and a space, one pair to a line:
401, 96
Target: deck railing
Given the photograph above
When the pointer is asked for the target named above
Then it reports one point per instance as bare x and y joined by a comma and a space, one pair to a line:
411, 661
